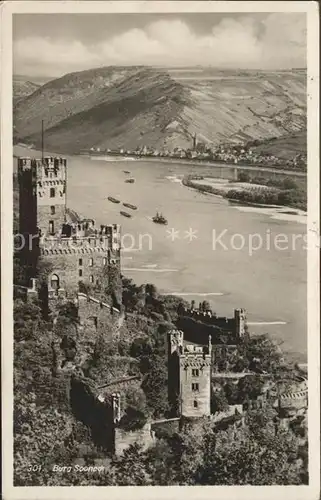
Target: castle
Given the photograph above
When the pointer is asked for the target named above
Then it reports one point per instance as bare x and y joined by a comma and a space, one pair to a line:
194, 351
81, 263
75, 254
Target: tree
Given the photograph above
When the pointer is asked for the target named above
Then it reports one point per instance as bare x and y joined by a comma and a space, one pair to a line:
250, 387
39, 437
289, 183
176, 460
262, 353
219, 401
140, 347
132, 419
242, 457
151, 290
155, 387
130, 468
206, 306
27, 320
244, 177
231, 393
133, 296
135, 398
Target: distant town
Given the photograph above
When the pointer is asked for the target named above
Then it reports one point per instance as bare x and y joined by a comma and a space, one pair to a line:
238, 154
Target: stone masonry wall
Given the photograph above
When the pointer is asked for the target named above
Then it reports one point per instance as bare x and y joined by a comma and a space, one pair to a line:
44, 215
99, 313
74, 266
195, 403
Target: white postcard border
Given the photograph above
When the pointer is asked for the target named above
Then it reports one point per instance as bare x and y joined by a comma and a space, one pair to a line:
195, 492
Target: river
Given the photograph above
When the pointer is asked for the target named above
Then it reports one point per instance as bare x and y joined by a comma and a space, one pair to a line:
271, 284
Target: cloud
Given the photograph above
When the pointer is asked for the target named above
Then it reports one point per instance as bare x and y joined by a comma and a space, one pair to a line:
277, 40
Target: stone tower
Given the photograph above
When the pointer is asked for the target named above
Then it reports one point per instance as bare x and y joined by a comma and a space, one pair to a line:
42, 195
194, 142
189, 376
74, 252
240, 323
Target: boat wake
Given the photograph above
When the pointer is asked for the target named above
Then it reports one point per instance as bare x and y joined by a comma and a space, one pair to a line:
173, 178
111, 158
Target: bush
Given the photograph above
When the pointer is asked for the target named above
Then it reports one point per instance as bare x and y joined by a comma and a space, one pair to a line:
244, 177
218, 402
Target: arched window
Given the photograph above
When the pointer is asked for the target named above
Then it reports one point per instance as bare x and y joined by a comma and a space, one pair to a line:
54, 282
52, 210
52, 192
195, 404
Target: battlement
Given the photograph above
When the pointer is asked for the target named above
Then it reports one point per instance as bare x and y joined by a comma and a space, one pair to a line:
199, 361
82, 299
46, 173
190, 351
194, 351
294, 395
40, 165
81, 238
55, 246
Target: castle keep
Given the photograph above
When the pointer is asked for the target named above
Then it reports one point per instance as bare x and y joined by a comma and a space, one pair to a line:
189, 376
76, 254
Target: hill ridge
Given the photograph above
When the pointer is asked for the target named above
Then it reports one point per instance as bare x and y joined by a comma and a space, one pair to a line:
139, 105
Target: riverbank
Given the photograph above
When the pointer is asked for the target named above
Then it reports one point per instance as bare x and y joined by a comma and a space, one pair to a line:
275, 169
249, 194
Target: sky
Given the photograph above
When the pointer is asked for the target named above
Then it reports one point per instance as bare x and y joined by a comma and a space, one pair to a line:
51, 45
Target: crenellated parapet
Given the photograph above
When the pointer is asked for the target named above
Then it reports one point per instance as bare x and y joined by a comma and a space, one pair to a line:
42, 164
84, 302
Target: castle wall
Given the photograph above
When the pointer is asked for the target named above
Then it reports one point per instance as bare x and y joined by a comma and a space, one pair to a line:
295, 400
96, 314
198, 326
65, 266
88, 260
165, 427
210, 319
199, 332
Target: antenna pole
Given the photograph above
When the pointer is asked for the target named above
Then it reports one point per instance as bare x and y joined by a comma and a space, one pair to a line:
42, 141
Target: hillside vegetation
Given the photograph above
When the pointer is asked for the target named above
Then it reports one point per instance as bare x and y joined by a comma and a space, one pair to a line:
284, 147
116, 107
